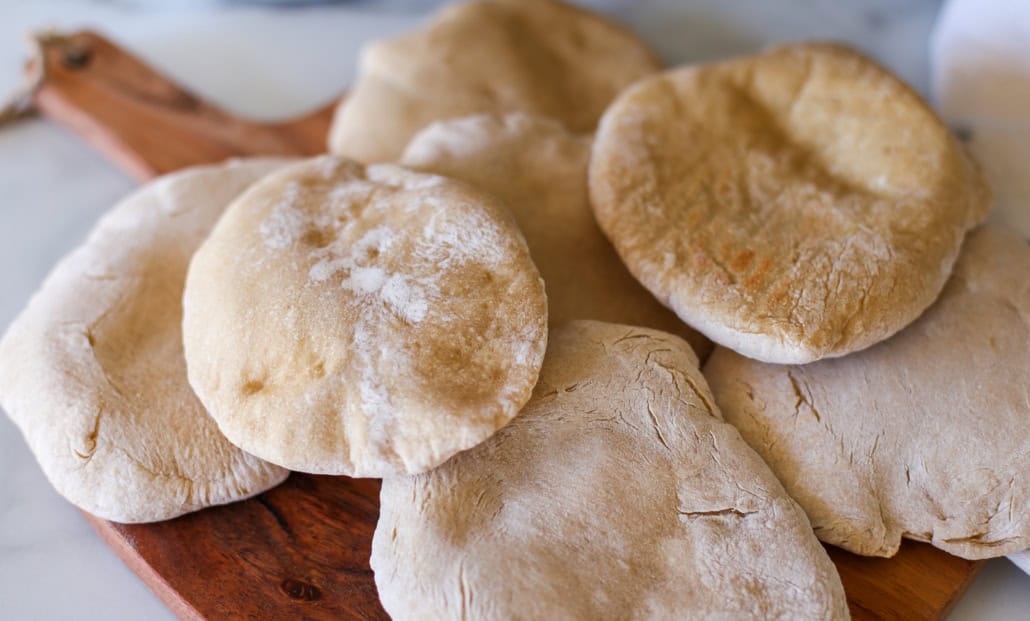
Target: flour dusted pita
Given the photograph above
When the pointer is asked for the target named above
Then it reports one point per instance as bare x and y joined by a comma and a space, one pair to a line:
617, 493
924, 436
363, 321
535, 56
92, 372
539, 169
798, 204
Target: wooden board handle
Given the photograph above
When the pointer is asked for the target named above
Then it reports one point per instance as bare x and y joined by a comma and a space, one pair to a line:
146, 123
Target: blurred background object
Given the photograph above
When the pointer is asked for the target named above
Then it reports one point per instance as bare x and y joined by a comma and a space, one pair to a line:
218, 47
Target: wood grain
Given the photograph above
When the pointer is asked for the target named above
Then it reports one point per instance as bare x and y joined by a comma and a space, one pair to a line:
919, 582
301, 551
148, 125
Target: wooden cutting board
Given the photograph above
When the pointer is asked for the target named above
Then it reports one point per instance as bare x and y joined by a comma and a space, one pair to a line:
300, 551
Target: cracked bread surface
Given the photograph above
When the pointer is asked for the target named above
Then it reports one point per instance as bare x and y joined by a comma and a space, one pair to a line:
92, 371
618, 492
924, 436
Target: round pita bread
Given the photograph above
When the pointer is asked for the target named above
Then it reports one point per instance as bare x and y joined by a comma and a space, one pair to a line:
799, 204
617, 493
363, 321
535, 56
924, 436
93, 374
539, 169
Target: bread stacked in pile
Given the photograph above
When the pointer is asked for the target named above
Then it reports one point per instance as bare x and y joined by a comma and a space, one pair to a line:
497, 292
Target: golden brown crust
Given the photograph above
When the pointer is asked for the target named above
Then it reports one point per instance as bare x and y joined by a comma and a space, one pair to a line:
794, 205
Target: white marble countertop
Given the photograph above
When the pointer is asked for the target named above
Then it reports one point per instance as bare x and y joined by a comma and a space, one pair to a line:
271, 63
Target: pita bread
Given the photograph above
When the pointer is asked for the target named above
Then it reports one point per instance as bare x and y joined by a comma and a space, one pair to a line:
799, 204
363, 321
617, 493
539, 169
535, 56
924, 436
92, 372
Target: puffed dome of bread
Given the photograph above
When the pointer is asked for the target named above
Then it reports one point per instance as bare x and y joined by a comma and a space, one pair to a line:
925, 436
540, 57
794, 205
92, 372
365, 321
617, 493
539, 169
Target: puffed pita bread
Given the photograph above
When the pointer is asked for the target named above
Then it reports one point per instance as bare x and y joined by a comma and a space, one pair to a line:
924, 436
535, 56
92, 371
617, 493
363, 321
539, 169
798, 204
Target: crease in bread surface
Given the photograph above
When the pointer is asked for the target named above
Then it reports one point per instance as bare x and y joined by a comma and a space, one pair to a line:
618, 492
925, 436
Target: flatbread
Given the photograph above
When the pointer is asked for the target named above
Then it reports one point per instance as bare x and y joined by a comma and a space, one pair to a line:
363, 321
798, 204
539, 169
535, 56
617, 493
925, 436
92, 371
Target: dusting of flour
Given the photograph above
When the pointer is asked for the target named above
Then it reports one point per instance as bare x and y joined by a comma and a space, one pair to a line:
285, 223
470, 237
365, 279
406, 296
375, 397
453, 235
